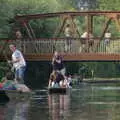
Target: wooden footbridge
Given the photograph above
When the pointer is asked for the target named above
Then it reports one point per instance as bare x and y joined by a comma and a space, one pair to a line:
73, 48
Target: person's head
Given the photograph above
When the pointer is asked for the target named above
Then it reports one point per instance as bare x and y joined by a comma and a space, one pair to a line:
9, 76
12, 47
56, 53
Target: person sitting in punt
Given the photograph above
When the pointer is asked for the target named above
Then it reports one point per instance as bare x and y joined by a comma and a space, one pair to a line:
55, 79
64, 82
67, 82
7, 83
52, 79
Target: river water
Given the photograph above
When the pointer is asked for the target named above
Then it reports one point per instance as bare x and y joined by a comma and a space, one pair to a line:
82, 102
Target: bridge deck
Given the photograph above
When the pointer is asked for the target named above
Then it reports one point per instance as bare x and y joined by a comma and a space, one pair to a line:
76, 57
72, 57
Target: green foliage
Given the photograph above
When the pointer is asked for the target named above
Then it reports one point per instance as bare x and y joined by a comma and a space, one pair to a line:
10, 8
109, 4
100, 69
3, 69
45, 28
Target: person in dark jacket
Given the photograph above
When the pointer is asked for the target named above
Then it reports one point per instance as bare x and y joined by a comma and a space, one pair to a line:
58, 64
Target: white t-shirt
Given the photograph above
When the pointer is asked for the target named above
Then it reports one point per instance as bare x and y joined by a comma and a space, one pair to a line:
67, 32
18, 55
84, 35
107, 35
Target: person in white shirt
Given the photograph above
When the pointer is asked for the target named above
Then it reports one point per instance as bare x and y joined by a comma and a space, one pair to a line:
84, 35
19, 63
107, 37
87, 41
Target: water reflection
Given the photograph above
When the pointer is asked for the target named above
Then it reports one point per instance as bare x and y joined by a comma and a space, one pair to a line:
59, 106
2, 111
17, 110
86, 102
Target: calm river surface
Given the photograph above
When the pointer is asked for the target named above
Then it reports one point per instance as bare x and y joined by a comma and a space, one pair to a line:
84, 102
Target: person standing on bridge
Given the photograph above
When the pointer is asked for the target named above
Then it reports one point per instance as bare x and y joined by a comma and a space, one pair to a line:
68, 35
19, 63
107, 37
19, 37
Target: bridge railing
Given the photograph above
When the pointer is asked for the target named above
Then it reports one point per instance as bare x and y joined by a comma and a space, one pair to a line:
68, 45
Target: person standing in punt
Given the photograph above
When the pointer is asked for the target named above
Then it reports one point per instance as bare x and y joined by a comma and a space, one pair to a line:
19, 63
57, 63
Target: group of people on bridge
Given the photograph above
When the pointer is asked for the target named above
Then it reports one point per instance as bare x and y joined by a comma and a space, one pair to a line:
87, 40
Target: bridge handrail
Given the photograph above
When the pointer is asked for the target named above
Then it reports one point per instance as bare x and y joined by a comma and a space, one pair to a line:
75, 45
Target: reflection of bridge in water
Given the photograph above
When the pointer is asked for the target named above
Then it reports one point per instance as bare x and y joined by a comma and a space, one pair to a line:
89, 49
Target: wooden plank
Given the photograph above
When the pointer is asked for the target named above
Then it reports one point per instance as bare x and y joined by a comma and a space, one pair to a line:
76, 57
72, 57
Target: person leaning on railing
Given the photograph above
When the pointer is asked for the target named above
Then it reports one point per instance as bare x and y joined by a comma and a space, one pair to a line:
107, 37
87, 42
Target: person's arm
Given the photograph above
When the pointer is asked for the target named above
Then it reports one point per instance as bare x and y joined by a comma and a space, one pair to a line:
56, 60
53, 59
14, 61
59, 59
50, 80
16, 58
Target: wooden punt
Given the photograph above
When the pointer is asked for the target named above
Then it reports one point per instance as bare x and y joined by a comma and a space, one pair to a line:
14, 95
58, 90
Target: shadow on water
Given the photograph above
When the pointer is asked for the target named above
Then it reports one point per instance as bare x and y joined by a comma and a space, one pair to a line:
3, 97
37, 74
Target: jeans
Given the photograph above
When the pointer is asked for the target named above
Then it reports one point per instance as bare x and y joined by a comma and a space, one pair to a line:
19, 74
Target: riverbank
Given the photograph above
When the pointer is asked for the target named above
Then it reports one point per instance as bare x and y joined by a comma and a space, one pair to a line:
101, 80
97, 80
